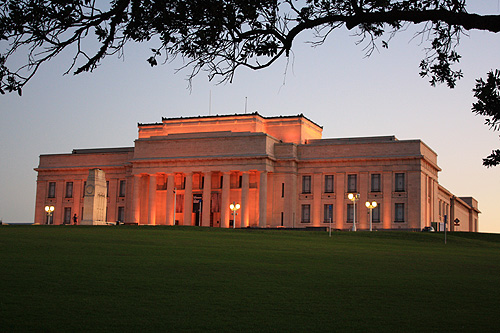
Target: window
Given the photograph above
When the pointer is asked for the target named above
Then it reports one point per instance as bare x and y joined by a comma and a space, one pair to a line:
306, 184
198, 180
282, 218
350, 213
328, 213
69, 190
399, 180
161, 182
306, 214
376, 214
282, 190
83, 192
67, 215
352, 183
329, 183
123, 187
52, 190
399, 212
121, 214
107, 188
375, 186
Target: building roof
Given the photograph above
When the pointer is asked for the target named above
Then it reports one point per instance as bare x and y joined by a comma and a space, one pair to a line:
229, 115
103, 150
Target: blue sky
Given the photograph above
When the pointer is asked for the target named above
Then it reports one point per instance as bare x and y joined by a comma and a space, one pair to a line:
333, 85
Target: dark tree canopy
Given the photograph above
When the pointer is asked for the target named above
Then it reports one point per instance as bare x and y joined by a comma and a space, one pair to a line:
220, 36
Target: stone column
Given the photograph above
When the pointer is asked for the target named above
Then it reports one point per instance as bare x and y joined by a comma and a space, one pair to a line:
41, 195
136, 207
316, 204
152, 200
207, 195
291, 201
340, 200
387, 205
224, 210
245, 209
263, 200
364, 213
188, 199
111, 210
170, 199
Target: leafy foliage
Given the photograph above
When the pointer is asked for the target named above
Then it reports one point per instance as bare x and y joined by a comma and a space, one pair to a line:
488, 105
220, 36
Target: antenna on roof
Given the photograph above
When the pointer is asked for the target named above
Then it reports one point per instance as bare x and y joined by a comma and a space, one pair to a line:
246, 100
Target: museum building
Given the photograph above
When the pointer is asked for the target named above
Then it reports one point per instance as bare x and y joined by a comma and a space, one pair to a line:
278, 171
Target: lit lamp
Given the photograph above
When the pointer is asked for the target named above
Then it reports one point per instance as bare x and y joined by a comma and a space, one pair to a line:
353, 197
370, 206
234, 207
49, 210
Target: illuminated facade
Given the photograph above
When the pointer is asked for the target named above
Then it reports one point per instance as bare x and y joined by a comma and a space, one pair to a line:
278, 169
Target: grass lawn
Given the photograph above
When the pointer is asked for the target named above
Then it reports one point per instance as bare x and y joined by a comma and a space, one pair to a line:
126, 278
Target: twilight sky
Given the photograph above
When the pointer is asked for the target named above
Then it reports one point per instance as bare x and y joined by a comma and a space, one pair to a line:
334, 85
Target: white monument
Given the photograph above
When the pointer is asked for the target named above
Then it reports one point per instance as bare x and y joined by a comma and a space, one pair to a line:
94, 201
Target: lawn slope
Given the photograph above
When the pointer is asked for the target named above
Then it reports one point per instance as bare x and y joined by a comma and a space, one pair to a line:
77, 278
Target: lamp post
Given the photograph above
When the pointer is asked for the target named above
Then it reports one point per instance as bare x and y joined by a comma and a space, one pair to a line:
234, 207
370, 206
49, 210
353, 197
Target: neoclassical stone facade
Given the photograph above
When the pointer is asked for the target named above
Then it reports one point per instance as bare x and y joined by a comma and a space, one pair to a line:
188, 171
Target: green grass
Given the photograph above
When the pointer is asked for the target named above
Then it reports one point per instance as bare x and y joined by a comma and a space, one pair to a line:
67, 278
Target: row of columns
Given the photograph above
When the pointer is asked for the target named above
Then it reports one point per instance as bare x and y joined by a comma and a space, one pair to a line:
225, 213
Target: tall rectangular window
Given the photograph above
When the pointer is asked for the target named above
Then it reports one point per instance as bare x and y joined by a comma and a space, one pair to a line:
306, 213
376, 214
83, 192
352, 183
282, 190
69, 189
306, 184
67, 215
52, 190
123, 188
350, 213
399, 180
107, 188
121, 214
375, 184
328, 213
329, 183
399, 212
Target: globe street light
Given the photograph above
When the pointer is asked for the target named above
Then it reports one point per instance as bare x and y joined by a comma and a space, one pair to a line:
49, 210
353, 197
234, 207
370, 206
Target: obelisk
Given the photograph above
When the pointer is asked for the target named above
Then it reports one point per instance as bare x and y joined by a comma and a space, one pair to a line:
94, 201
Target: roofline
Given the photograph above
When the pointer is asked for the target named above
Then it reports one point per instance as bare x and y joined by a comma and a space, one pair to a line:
230, 115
